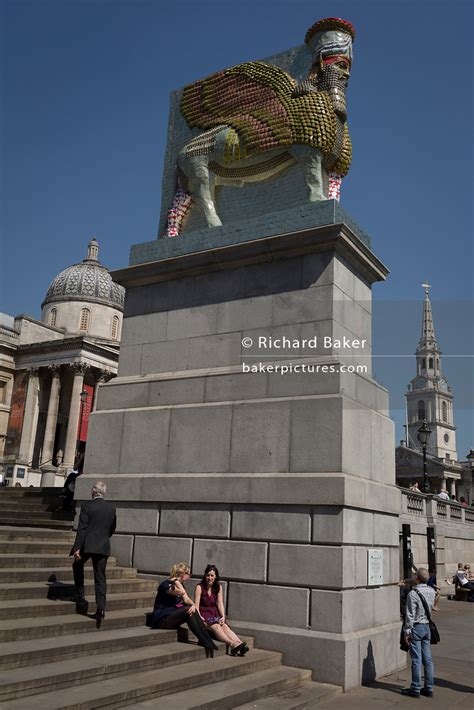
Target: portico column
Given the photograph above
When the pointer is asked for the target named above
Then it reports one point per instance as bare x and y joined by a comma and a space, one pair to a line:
52, 417
452, 487
30, 419
74, 410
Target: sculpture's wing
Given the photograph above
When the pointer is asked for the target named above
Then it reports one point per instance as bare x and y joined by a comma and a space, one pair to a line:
249, 97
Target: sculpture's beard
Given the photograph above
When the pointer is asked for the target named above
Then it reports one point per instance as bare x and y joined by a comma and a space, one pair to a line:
331, 79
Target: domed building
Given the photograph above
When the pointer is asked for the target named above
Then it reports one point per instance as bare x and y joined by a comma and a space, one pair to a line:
84, 299
50, 371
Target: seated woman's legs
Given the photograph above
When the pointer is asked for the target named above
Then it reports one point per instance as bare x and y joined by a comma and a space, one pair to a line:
221, 633
194, 622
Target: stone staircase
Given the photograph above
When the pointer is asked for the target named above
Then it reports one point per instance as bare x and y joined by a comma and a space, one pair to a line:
52, 658
33, 507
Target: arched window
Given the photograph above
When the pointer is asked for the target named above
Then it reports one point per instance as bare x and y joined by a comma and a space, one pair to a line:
85, 320
115, 327
421, 410
444, 411
430, 363
423, 363
53, 315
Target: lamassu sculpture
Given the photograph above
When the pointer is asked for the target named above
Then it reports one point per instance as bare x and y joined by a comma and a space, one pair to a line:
256, 121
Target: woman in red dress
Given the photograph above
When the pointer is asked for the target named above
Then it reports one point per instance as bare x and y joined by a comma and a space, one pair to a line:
209, 600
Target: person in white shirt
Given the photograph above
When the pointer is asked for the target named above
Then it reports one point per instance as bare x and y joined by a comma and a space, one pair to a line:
443, 494
417, 634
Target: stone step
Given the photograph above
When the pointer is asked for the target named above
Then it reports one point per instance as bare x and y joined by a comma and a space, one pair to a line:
24, 504
46, 547
16, 654
22, 561
31, 522
18, 495
24, 534
22, 516
33, 491
136, 687
78, 671
228, 694
309, 695
49, 626
58, 573
35, 608
65, 588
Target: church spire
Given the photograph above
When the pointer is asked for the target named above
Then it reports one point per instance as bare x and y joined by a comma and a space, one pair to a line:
428, 337
429, 397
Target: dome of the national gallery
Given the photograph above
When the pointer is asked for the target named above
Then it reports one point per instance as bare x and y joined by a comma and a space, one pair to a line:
84, 300
88, 281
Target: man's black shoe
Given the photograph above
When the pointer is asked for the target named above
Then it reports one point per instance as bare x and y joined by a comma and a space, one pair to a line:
410, 692
82, 605
99, 616
426, 693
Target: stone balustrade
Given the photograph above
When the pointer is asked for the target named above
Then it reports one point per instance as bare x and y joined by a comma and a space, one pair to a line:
427, 505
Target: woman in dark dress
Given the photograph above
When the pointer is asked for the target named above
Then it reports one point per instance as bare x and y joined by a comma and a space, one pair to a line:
174, 607
209, 600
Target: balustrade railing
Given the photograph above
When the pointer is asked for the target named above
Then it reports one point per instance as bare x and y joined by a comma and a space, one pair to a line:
421, 504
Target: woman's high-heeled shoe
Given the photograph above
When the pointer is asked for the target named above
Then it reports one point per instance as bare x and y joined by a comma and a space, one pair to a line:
243, 649
237, 650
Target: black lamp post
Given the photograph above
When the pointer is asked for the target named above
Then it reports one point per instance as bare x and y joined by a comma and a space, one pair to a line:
83, 396
423, 436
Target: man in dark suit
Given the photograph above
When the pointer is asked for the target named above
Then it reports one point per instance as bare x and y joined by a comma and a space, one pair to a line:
97, 523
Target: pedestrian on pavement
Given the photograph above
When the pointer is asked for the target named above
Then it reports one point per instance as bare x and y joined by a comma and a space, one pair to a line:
97, 523
417, 636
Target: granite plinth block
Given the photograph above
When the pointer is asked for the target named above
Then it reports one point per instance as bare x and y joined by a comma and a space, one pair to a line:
159, 554
234, 560
276, 523
267, 604
307, 216
196, 520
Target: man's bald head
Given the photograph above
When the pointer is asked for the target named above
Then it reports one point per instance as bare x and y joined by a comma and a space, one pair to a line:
422, 575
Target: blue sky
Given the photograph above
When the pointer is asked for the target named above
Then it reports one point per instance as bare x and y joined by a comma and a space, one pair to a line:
85, 89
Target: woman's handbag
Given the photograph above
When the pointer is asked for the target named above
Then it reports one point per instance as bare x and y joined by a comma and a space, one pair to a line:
434, 633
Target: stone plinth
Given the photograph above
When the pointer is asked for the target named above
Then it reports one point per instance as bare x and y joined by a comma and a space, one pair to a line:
284, 481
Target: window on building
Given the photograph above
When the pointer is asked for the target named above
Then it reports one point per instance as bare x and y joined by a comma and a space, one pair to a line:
430, 363
53, 316
85, 320
444, 411
115, 326
3, 392
423, 363
421, 410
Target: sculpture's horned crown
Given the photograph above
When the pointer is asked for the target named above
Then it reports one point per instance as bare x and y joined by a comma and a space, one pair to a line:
331, 36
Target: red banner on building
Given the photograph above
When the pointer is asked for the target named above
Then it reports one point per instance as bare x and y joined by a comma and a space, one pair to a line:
86, 408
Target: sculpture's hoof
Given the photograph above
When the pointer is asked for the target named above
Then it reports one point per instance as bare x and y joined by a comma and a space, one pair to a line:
317, 197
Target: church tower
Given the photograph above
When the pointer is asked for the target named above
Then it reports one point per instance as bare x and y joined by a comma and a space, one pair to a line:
429, 396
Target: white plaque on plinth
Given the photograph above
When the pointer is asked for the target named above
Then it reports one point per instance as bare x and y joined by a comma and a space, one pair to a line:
374, 567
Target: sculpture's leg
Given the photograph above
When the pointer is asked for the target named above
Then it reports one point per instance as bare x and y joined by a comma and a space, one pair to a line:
311, 161
200, 185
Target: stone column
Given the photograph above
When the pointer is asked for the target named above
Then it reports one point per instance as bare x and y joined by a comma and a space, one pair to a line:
74, 412
52, 417
452, 487
30, 420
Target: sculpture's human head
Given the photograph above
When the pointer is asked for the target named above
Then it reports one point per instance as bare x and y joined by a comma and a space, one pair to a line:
330, 42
